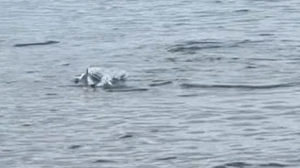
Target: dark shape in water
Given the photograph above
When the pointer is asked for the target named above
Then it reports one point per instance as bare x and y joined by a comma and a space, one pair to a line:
167, 158
273, 165
188, 95
31, 44
103, 161
266, 34
182, 48
238, 164
127, 90
193, 46
248, 165
74, 146
242, 10
31, 72
51, 94
26, 125
250, 67
65, 64
160, 83
219, 167
126, 136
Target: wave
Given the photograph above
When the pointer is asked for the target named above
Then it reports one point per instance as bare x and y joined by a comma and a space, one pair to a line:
249, 165
193, 46
161, 83
127, 90
229, 86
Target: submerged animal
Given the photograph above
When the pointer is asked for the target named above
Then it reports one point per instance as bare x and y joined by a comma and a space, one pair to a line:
98, 77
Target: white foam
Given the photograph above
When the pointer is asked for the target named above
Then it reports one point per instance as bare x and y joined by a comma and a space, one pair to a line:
98, 77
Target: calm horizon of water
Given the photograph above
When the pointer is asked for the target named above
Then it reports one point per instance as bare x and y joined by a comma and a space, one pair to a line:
213, 84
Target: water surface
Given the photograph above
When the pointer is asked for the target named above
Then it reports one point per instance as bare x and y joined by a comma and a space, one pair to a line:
218, 84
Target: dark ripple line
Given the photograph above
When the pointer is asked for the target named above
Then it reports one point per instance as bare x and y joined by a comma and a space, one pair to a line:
244, 165
69, 85
191, 46
74, 146
167, 158
188, 95
127, 90
160, 83
237, 164
103, 161
31, 44
225, 86
126, 136
242, 10
273, 165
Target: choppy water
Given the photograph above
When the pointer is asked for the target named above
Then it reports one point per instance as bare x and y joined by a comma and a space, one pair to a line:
216, 84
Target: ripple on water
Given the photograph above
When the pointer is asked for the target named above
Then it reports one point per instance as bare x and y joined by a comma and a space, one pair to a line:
228, 86
214, 83
194, 46
249, 165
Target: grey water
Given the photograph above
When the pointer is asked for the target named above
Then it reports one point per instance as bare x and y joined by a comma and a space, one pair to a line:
213, 84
